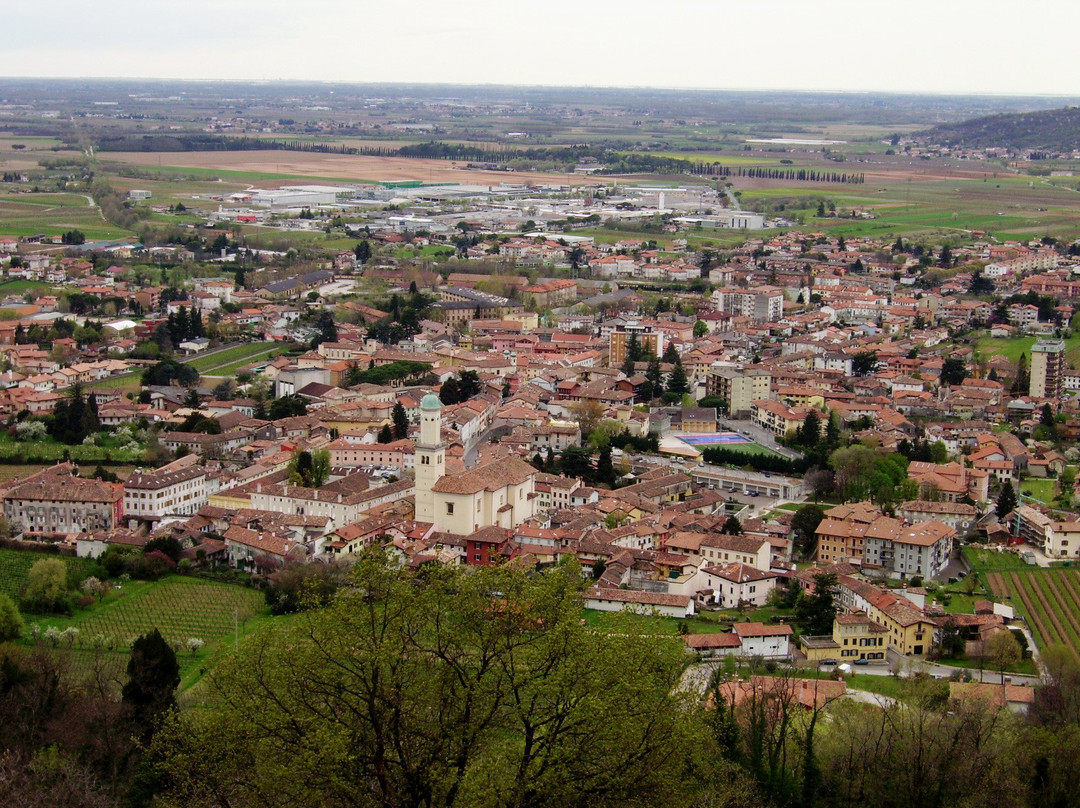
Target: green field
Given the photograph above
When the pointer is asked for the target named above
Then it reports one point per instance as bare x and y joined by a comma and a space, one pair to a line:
231, 368
1008, 206
126, 381
700, 623
1013, 348
228, 175
984, 560
54, 214
18, 287
226, 361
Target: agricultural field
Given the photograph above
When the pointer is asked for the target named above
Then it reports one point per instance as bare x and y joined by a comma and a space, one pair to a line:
256, 166
54, 214
15, 564
180, 608
50, 451
1048, 598
925, 202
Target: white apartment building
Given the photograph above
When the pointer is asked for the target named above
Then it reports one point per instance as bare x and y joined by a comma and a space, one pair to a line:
178, 489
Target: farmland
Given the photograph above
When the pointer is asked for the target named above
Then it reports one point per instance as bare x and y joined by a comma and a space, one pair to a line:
278, 165
180, 608
49, 451
1048, 598
54, 214
15, 564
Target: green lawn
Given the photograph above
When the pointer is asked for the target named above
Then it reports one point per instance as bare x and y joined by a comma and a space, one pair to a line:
700, 623
1012, 348
982, 559
16, 287
1025, 667
1042, 490
126, 381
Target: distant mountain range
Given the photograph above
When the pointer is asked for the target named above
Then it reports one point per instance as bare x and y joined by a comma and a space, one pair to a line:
1051, 130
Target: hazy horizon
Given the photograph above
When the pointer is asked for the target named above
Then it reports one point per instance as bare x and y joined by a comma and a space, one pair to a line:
961, 47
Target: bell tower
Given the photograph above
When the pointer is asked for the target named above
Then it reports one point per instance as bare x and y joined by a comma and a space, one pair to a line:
430, 457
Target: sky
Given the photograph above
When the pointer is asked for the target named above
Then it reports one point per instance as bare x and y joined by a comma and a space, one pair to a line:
944, 46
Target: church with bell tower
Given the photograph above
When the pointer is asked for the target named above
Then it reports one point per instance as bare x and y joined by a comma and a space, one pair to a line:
430, 463
501, 493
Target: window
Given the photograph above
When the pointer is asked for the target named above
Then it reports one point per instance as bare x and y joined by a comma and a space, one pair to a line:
449, 508
425, 460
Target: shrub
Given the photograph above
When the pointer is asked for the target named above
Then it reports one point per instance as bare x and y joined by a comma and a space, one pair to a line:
11, 622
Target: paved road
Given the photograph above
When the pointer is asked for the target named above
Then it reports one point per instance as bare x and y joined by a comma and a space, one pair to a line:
697, 676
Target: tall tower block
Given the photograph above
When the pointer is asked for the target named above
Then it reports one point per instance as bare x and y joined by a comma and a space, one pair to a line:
430, 457
1047, 379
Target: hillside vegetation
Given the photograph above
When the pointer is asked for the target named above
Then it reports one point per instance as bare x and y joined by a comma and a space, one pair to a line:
1051, 129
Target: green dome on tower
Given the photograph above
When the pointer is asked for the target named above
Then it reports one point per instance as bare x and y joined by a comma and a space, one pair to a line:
430, 402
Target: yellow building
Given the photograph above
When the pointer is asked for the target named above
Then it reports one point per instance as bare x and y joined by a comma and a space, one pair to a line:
910, 632
859, 637
854, 636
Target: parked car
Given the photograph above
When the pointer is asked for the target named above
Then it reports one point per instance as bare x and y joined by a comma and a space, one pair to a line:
828, 662
862, 661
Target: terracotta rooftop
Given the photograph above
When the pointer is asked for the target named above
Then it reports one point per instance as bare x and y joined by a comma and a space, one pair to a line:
489, 477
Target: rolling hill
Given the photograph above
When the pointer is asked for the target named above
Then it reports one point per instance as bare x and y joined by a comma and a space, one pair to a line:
1052, 130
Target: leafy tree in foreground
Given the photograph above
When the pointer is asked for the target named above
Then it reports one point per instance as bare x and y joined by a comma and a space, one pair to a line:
438, 689
1003, 651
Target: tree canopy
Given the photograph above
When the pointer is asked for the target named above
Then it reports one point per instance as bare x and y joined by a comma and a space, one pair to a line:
438, 690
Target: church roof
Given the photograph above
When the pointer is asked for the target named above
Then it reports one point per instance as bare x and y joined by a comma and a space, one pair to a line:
492, 476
